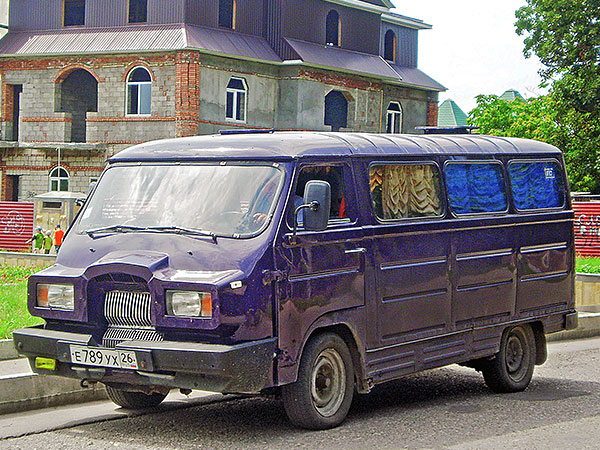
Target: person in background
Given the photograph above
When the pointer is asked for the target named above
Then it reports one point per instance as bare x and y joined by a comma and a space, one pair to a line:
47, 243
58, 237
38, 240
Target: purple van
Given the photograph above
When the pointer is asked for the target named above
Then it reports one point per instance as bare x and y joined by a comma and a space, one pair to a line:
309, 265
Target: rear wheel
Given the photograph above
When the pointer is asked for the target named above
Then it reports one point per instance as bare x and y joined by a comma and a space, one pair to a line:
512, 368
134, 400
322, 394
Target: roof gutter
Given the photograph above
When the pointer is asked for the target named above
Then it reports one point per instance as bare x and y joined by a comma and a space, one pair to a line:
404, 21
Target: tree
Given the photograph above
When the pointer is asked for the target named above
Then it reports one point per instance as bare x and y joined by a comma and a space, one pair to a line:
546, 119
565, 35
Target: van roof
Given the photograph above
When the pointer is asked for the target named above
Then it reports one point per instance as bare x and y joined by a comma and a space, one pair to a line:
295, 145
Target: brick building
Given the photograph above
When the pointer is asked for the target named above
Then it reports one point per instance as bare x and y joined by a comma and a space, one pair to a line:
83, 79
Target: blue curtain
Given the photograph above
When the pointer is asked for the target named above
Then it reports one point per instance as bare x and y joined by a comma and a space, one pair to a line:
536, 185
475, 188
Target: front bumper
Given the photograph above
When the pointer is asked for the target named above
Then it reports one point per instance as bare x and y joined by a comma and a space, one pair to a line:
240, 368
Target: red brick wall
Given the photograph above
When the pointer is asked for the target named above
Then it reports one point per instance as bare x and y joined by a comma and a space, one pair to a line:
432, 114
187, 94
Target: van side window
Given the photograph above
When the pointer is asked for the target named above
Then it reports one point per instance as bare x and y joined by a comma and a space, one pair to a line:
475, 188
536, 185
334, 176
403, 191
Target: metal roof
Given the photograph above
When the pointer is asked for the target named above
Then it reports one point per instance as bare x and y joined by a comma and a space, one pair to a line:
415, 77
280, 146
94, 40
230, 42
81, 40
338, 58
450, 115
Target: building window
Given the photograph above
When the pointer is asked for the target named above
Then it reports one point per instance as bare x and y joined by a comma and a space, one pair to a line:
227, 13
333, 28
73, 12
139, 92
394, 118
138, 11
59, 179
389, 46
336, 110
236, 100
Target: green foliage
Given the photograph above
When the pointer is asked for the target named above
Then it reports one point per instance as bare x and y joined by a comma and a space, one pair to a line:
13, 300
565, 35
587, 265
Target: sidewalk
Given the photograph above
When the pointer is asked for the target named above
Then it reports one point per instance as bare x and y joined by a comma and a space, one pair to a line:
21, 389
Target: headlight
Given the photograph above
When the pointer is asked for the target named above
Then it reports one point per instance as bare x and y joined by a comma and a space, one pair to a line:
189, 304
56, 296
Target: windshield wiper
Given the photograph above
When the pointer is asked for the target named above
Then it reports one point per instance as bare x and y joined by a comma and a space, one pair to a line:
174, 229
114, 228
184, 230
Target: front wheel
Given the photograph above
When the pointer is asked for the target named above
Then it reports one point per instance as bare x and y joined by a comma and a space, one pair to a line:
134, 400
512, 368
322, 394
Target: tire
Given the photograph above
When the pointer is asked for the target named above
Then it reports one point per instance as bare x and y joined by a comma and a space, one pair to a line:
512, 368
134, 400
322, 394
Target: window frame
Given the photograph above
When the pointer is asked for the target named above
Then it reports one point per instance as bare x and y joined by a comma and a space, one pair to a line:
479, 161
233, 15
443, 196
139, 84
235, 93
562, 181
58, 179
64, 15
129, 13
338, 30
394, 48
334, 223
394, 113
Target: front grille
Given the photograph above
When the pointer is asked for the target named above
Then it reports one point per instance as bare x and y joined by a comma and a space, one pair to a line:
129, 317
115, 335
128, 309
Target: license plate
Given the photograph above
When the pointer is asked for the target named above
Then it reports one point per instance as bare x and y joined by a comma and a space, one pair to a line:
91, 356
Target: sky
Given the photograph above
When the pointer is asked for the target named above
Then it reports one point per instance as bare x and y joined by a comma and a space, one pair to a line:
473, 48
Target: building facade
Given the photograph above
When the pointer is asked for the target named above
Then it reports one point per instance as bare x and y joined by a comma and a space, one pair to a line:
83, 79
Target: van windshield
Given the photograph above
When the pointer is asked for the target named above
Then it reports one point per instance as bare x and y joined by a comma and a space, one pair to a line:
215, 200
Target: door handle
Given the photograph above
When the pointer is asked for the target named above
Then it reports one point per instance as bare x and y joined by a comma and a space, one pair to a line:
355, 250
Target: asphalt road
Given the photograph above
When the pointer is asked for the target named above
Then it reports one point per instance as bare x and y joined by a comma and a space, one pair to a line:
444, 408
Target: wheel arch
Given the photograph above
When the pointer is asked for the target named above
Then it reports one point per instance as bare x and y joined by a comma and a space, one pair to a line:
350, 337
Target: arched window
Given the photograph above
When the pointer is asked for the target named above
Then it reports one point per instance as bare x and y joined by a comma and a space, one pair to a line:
389, 46
336, 110
139, 92
59, 179
138, 11
333, 28
394, 118
236, 100
73, 12
227, 13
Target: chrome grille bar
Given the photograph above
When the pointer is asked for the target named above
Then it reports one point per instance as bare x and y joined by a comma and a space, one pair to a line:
128, 309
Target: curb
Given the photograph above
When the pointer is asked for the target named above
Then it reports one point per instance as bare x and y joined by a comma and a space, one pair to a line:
7, 350
589, 326
28, 391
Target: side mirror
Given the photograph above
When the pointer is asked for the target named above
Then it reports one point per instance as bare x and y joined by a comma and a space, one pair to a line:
317, 205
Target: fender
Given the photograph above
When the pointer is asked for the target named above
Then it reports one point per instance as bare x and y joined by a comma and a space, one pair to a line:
342, 320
